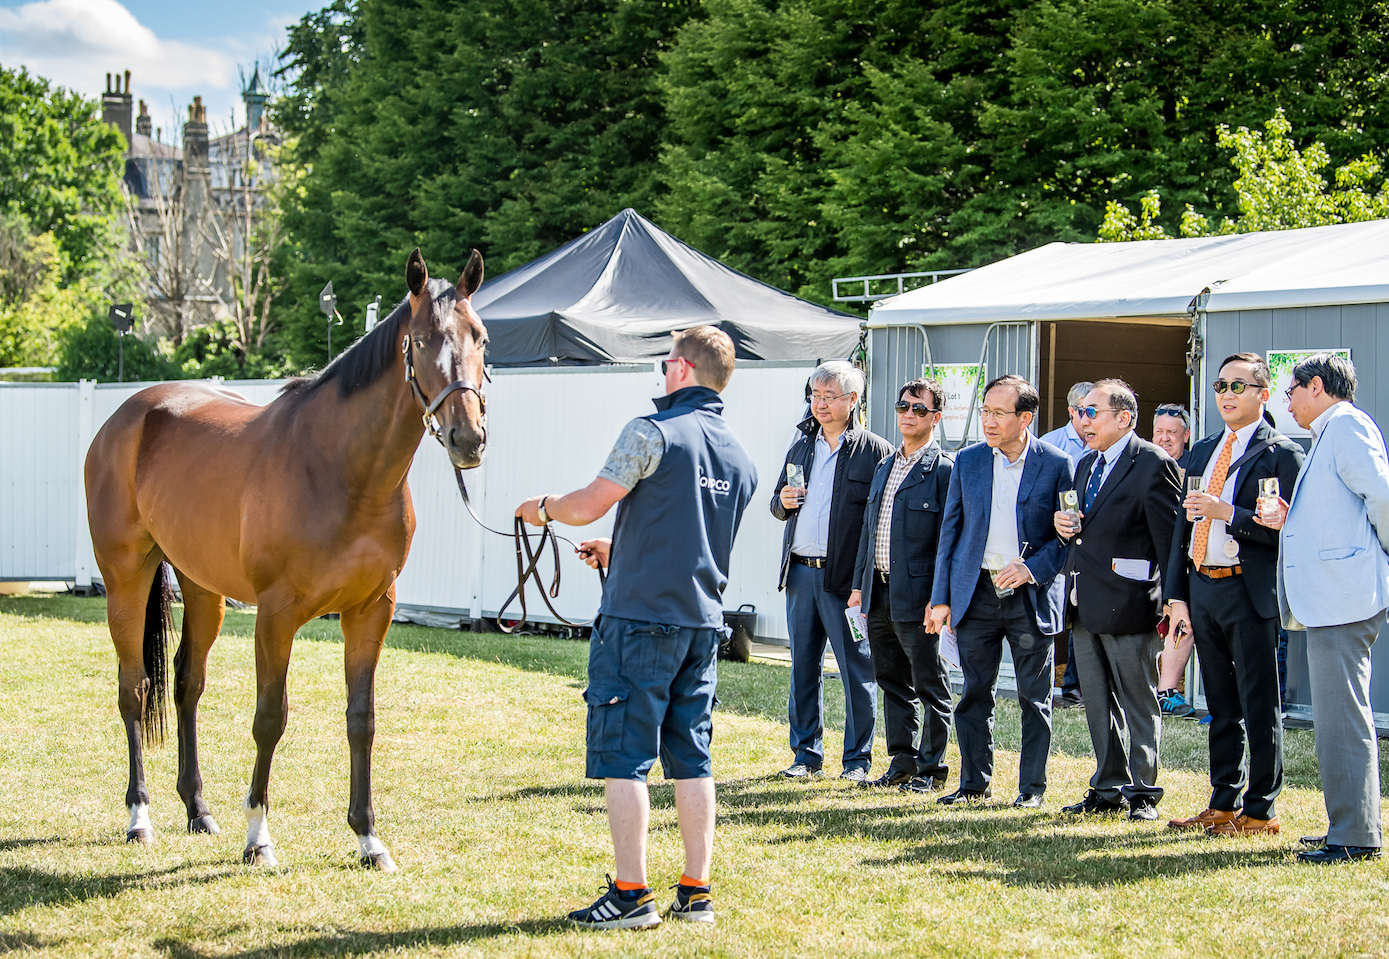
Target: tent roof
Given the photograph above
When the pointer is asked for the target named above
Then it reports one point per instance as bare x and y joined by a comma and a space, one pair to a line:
1318, 266
615, 294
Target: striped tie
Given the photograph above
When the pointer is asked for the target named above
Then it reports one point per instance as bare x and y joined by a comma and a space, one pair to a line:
1202, 534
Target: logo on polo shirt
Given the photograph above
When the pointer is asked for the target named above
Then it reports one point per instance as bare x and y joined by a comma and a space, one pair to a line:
713, 483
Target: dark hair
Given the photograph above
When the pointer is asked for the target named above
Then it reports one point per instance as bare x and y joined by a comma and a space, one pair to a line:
921, 387
1260, 365
1028, 401
1337, 374
1121, 397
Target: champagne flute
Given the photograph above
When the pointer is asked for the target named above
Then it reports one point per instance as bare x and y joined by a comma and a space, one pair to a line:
1194, 484
1269, 495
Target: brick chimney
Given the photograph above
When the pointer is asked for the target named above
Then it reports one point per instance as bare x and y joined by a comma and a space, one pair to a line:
195, 138
115, 104
143, 125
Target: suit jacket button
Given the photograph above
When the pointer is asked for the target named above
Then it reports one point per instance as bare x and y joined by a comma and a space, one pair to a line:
1077, 541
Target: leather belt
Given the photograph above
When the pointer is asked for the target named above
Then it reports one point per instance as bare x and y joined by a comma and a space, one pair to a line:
1219, 572
814, 562
882, 577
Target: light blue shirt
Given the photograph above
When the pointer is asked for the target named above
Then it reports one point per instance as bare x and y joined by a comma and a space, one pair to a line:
1111, 456
812, 537
1068, 441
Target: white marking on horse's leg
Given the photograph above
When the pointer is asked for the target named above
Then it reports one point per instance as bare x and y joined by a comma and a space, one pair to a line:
140, 828
375, 853
260, 849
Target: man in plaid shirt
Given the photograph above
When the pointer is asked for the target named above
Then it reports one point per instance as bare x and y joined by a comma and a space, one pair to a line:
892, 584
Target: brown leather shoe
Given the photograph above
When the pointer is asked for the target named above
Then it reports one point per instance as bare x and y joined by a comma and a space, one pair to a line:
1204, 819
1242, 825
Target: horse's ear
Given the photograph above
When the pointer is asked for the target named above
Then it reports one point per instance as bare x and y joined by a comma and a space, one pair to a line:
472, 275
416, 273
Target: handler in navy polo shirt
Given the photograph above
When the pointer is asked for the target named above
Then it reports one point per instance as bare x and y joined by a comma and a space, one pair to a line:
682, 481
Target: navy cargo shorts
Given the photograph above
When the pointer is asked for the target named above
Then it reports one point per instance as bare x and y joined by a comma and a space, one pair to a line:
650, 692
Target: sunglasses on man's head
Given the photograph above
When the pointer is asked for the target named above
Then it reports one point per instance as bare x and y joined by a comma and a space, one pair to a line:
920, 409
1169, 410
1234, 386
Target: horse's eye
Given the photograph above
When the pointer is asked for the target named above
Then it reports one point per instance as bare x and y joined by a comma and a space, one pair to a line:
419, 343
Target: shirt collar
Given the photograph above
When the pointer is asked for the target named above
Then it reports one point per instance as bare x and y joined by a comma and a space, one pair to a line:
1022, 458
1319, 424
915, 458
1243, 434
1112, 454
1071, 434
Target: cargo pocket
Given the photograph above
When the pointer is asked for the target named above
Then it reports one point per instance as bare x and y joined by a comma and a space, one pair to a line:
607, 708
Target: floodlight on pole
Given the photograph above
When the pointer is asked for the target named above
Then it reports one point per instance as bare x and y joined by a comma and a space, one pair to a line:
328, 303
122, 316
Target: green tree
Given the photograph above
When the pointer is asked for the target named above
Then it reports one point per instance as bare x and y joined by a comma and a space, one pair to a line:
510, 125
1279, 187
60, 168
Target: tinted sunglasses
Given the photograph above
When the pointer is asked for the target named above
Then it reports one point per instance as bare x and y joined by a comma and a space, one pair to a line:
1170, 410
920, 409
678, 359
1090, 412
1236, 387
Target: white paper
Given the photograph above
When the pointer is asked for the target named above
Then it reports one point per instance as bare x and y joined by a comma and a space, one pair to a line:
949, 648
858, 623
1135, 569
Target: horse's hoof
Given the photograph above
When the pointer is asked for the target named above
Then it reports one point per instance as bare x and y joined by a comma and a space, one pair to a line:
259, 856
380, 861
144, 837
204, 824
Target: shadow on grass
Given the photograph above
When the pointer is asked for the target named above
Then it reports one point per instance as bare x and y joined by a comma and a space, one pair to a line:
367, 943
25, 887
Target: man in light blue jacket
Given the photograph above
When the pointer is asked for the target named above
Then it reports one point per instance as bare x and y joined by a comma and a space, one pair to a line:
1333, 581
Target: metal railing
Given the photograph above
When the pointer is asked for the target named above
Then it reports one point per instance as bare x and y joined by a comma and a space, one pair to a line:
899, 279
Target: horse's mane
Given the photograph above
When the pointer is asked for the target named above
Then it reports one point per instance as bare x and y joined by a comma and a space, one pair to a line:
367, 360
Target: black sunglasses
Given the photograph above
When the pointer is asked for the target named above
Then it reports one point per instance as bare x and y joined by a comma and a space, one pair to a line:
676, 360
920, 409
1236, 387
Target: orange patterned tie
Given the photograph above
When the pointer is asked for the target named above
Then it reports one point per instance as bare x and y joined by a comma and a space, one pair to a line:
1202, 534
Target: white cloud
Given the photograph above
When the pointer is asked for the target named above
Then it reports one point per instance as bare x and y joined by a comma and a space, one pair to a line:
75, 43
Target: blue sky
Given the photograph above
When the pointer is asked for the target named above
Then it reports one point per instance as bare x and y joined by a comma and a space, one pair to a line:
174, 50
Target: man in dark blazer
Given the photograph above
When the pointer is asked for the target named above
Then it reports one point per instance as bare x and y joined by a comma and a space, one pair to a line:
1228, 596
824, 520
892, 585
998, 576
1129, 492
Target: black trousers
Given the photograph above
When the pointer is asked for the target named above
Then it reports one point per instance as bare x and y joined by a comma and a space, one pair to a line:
911, 674
1238, 652
983, 627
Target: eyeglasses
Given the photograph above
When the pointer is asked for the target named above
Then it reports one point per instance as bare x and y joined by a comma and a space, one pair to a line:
920, 409
989, 414
826, 397
1090, 412
1289, 391
1171, 410
678, 359
1236, 387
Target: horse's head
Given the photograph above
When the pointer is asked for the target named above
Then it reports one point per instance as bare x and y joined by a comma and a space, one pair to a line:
444, 343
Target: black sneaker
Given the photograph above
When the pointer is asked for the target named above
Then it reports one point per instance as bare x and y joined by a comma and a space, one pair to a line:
618, 909
692, 904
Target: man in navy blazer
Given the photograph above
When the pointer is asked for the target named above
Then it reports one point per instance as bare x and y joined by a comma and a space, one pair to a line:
998, 576
892, 585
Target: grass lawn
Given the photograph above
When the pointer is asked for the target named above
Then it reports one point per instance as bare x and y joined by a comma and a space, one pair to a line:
480, 797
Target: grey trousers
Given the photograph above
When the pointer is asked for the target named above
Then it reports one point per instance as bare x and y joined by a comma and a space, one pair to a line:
1338, 668
1119, 677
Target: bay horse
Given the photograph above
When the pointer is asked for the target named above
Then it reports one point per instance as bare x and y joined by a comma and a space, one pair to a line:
300, 507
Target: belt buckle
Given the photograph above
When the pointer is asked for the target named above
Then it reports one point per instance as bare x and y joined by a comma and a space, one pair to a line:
882, 577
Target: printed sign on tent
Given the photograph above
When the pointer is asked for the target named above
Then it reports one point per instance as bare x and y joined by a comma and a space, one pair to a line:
1280, 365
960, 381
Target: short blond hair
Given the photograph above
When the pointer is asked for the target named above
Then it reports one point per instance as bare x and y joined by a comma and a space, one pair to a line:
711, 353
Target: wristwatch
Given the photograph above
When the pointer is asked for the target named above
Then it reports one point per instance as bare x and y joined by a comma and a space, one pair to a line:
540, 510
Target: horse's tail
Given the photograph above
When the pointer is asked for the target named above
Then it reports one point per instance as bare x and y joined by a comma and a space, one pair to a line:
159, 625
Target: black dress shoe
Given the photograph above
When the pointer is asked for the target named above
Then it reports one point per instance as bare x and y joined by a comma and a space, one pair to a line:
1028, 801
1330, 853
887, 779
961, 796
1143, 808
1093, 803
1313, 840
1070, 700
923, 784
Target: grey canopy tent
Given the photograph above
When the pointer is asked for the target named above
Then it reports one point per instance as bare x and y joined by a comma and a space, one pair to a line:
615, 294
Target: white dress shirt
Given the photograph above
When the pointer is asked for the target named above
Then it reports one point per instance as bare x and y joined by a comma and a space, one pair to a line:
1220, 532
1001, 546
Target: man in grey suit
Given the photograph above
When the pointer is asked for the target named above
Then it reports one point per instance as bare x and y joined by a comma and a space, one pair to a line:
1333, 581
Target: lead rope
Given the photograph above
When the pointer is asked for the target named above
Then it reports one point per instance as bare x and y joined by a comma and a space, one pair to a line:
527, 563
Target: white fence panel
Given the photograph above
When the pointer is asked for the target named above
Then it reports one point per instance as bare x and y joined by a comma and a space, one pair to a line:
549, 431
41, 503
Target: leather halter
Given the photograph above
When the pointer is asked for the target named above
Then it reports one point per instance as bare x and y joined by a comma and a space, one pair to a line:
431, 422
